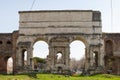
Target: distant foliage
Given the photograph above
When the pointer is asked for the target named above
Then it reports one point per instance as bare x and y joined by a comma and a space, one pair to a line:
39, 60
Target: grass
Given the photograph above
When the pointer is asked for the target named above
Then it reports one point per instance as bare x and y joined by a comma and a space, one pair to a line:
59, 77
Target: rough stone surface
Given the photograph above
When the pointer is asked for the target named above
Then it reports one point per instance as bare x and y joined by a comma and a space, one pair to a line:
7, 49
112, 52
59, 28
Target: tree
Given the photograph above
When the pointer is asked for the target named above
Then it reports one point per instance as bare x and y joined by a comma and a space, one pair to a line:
39, 63
76, 64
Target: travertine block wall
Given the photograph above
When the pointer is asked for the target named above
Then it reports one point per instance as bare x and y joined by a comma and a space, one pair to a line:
61, 25
61, 21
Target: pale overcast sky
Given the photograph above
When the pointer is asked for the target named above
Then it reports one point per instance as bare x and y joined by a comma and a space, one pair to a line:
9, 18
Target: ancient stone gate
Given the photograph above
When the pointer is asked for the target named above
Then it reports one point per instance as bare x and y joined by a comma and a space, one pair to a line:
59, 28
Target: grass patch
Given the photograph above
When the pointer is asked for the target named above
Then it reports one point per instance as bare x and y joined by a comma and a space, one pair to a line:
58, 77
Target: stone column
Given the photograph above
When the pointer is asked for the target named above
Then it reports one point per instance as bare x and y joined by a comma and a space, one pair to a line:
19, 57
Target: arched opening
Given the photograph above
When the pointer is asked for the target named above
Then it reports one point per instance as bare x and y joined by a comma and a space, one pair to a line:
109, 59
24, 57
77, 55
40, 53
59, 58
9, 65
95, 58
59, 62
109, 47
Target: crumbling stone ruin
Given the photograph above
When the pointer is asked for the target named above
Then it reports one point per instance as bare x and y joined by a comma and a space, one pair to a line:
59, 28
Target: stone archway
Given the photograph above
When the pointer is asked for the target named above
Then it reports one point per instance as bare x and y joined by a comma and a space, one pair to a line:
54, 25
7, 65
109, 58
59, 28
10, 65
40, 53
40, 47
58, 45
77, 55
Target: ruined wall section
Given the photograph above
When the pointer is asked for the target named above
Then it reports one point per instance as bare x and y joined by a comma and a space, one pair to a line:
7, 49
115, 39
83, 25
112, 52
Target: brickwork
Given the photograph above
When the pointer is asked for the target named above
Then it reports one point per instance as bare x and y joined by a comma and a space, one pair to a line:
112, 52
7, 49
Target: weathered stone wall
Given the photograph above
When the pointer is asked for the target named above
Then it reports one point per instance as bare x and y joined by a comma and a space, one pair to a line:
57, 26
112, 52
15, 36
7, 49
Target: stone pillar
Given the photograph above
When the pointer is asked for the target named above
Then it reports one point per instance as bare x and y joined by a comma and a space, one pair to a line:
51, 57
102, 55
29, 58
19, 57
67, 57
87, 58
91, 58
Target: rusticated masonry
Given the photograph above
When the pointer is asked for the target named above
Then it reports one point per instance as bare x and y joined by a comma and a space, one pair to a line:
59, 28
